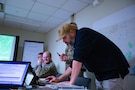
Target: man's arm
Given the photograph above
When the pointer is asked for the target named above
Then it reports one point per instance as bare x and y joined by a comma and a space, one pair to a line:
60, 78
65, 74
37, 69
76, 67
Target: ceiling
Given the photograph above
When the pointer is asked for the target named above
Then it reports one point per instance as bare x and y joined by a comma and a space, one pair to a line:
38, 15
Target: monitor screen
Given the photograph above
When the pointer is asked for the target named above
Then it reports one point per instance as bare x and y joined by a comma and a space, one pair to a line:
13, 74
31, 78
8, 47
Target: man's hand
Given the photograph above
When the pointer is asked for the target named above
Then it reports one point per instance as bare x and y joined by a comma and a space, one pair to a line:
52, 79
63, 57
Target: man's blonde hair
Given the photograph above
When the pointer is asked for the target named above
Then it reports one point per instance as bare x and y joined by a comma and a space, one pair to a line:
65, 29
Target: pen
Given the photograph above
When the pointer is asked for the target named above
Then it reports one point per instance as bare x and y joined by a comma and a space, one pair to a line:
58, 54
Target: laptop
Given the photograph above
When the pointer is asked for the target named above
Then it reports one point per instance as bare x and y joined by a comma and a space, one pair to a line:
13, 74
31, 78
33, 82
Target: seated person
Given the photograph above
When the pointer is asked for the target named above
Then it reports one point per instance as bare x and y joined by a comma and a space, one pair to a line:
47, 68
39, 62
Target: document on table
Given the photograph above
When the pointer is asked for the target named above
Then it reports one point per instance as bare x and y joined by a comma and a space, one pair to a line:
65, 87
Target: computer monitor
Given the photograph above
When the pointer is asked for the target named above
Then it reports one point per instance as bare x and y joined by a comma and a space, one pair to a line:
13, 74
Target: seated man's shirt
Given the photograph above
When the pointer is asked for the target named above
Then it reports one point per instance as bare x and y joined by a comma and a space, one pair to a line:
45, 70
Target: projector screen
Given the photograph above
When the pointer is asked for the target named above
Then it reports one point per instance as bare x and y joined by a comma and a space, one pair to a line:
8, 47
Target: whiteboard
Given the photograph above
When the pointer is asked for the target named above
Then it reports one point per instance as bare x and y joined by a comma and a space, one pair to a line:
31, 50
120, 28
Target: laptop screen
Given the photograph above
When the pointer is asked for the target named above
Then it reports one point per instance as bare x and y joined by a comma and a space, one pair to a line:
31, 78
13, 74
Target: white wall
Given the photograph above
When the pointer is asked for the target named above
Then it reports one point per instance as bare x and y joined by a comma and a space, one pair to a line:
86, 18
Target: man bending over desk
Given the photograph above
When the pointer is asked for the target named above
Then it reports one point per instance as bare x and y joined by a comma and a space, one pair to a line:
102, 57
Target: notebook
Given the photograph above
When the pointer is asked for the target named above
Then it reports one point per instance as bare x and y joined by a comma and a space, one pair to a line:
13, 74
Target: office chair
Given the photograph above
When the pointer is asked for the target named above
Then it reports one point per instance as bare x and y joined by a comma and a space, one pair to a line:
82, 81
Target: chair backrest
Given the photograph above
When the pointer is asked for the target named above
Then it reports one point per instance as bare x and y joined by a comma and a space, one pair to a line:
81, 81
